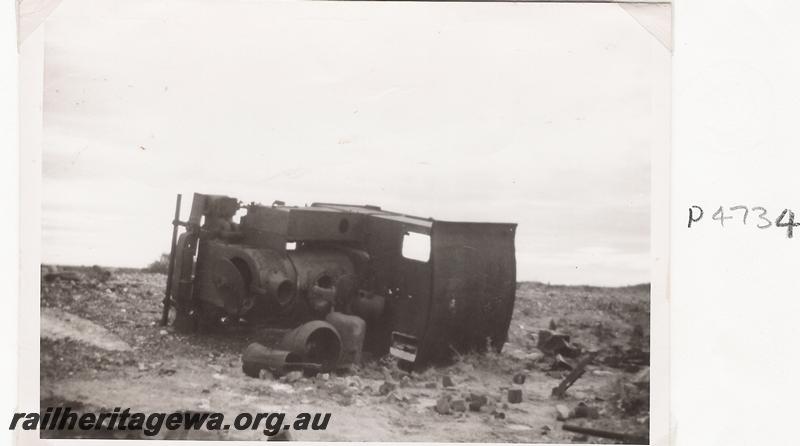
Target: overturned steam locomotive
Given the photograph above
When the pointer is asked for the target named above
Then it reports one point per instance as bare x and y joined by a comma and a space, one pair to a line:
424, 288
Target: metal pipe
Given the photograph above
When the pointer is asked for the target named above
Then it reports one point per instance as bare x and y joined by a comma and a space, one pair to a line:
627, 438
171, 266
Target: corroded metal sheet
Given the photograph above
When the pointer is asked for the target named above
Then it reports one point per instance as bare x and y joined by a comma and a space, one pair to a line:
473, 288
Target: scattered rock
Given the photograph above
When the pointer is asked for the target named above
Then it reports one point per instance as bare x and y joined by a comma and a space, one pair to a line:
582, 410
430, 385
631, 360
631, 398
353, 381
447, 381
387, 388
562, 412
499, 415
519, 378
100, 274
163, 332
443, 405
293, 376
405, 381
393, 397
325, 376
343, 389
281, 387
545, 430
514, 396
458, 405
476, 402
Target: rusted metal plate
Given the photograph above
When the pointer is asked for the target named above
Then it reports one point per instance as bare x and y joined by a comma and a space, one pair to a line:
404, 284
229, 288
473, 289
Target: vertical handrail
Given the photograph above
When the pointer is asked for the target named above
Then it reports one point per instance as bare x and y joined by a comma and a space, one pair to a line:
171, 266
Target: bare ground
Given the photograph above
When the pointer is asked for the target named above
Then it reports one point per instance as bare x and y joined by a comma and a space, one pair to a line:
127, 360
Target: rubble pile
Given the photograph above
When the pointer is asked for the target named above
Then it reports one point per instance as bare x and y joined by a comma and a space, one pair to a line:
493, 397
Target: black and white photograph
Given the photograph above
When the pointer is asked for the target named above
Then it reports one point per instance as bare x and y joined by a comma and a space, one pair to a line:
352, 221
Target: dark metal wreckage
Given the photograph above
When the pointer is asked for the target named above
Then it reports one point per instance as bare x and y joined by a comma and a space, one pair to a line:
423, 289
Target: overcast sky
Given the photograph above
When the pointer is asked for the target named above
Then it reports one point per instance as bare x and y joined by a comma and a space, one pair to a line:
539, 114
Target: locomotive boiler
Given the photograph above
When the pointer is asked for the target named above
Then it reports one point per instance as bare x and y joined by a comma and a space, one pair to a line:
424, 288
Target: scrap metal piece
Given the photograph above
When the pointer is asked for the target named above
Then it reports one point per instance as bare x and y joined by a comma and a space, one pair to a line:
552, 343
559, 363
351, 330
315, 342
573, 376
624, 437
257, 357
583, 410
473, 288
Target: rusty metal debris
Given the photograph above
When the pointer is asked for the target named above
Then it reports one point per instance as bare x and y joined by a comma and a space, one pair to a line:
447, 381
351, 329
315, 342
624, 437
477, 401
422, 288
583, 410
559, 363
314, 346
573, 376
555, 343
257, 358
514, 396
